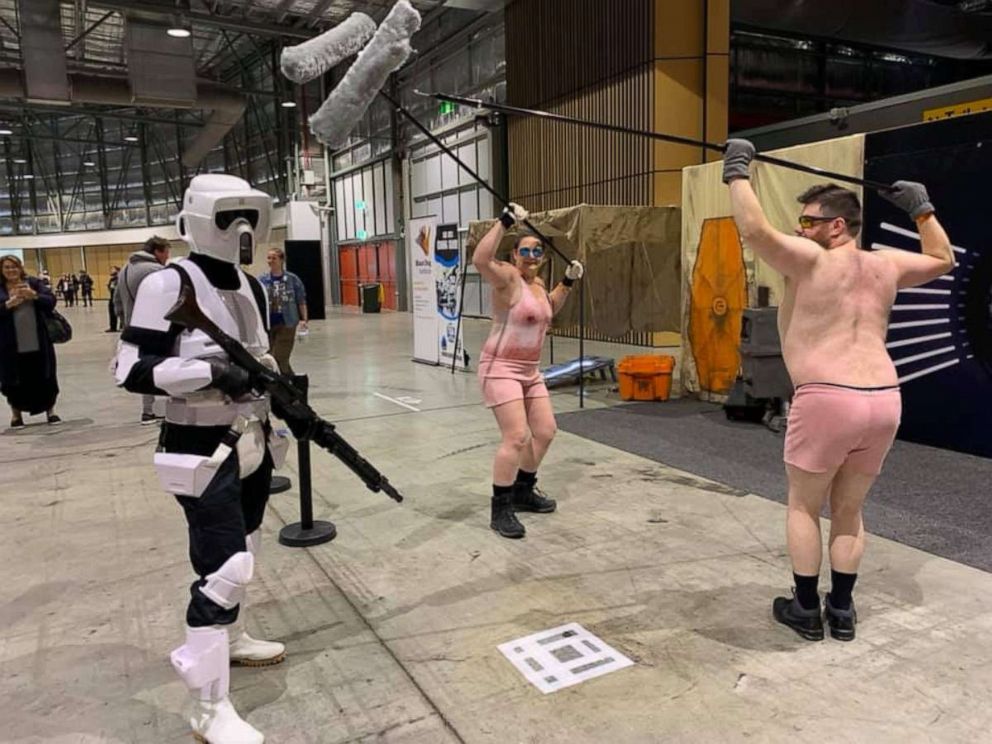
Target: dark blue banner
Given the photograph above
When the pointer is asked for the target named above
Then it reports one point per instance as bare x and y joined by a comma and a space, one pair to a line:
940, 334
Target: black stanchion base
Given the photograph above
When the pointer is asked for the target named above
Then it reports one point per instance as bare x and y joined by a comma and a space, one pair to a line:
279, 484
295, 536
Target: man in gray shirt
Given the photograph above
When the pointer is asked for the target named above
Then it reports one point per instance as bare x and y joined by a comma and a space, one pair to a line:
152, 257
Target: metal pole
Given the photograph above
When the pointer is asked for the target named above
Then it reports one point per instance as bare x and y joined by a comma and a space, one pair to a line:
582, 344
461, 306
486, 186
306, 532
551, 336
306, 493
517, 111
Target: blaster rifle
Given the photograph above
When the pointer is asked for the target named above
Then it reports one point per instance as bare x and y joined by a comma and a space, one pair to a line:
288, 401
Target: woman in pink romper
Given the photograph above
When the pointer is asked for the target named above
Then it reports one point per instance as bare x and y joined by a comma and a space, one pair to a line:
512, 385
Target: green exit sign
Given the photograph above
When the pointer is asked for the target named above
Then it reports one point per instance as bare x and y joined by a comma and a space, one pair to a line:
448, 107
361, 234
359, 205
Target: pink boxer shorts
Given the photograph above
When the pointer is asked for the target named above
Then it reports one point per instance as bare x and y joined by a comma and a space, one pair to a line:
832, 425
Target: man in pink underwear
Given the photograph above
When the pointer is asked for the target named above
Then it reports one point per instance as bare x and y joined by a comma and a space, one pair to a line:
833, 322
512, 385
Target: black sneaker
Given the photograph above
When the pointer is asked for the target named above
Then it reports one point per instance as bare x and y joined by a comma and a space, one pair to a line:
531, 499
841, 622
504, 521
53, 419
807, 623
149, 418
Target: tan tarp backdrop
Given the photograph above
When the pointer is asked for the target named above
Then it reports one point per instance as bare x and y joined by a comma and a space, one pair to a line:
632, 260
704, 196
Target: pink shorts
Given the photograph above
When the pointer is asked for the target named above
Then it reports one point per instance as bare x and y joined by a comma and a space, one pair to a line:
503, 380
834, 425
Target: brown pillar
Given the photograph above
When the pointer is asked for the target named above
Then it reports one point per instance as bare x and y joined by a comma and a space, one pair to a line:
659, 65
691, 75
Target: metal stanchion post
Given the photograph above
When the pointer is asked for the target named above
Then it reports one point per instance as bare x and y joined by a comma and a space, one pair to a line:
306, 532
582, 344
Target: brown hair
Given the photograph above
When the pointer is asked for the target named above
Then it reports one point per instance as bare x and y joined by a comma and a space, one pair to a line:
835, 201
155, 243
279, 252
17, 262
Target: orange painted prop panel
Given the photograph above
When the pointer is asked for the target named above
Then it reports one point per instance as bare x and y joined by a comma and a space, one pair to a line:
719, 296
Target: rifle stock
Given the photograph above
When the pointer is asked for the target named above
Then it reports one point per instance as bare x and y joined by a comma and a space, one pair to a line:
286, 397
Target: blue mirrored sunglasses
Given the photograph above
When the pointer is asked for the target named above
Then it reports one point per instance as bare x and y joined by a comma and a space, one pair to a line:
531, 251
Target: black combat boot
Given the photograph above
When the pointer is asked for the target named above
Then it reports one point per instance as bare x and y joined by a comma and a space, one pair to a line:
529, 498
807, 623
504, 521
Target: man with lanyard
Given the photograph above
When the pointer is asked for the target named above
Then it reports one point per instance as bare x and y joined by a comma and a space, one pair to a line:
287, 308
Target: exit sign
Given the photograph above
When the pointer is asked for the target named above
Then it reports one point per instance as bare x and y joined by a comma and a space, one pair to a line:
361, 234
359, 205
448, 107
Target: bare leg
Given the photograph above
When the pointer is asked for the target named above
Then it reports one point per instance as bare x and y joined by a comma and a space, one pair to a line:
512, 420
847, 529
541, 421
807, 494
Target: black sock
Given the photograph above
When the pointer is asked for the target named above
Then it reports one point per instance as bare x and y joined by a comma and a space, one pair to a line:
841, 585
806, 591
527, 478
501, 490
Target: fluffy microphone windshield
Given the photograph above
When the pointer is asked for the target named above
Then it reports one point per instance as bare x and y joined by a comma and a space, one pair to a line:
388, 50
304, 62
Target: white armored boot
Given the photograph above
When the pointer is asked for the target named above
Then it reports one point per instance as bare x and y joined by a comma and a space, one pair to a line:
248, 651
245, 650
204, 666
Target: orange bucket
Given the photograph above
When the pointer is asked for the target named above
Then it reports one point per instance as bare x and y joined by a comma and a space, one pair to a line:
646, 377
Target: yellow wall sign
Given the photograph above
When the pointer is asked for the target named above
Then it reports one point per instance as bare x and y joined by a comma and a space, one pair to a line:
958, 109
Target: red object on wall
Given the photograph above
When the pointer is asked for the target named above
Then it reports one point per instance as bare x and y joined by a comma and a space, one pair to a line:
365, 263
348, 266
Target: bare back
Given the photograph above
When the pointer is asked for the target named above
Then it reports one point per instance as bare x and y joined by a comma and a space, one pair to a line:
834, 319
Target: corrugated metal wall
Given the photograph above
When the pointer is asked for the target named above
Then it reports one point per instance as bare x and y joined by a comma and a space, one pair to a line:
584, 58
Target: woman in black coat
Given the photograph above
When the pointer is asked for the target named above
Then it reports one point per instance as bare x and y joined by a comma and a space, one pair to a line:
27, 356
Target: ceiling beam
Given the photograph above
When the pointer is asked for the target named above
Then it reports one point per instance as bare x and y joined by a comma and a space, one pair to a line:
165, 9
18, 106
283, 9
318, 10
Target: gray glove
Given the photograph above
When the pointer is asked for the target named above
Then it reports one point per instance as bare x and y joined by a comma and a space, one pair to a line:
910, 196
737, 159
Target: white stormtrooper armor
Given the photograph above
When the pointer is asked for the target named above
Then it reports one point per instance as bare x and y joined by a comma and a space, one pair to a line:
215, 207
211, 445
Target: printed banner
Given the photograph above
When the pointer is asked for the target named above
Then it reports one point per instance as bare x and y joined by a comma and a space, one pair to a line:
420, 249
448, 265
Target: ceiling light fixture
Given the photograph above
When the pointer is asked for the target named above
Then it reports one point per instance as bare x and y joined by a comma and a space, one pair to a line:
179, 27
289, 104
131, 138
5, 132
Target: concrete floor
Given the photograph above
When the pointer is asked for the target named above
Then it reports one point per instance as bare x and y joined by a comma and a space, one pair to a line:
392, 628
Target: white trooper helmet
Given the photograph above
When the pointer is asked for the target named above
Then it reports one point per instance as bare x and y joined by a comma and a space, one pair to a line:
224, 217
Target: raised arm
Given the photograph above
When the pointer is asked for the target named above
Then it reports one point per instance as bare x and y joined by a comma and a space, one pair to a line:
788, 254
559, 294
936, 258
498, 273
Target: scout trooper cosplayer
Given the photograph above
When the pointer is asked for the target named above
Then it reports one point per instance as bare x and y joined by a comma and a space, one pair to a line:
216, 450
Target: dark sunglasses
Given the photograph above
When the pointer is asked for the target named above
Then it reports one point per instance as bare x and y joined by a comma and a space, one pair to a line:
531, 251
225, 219
807, 221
